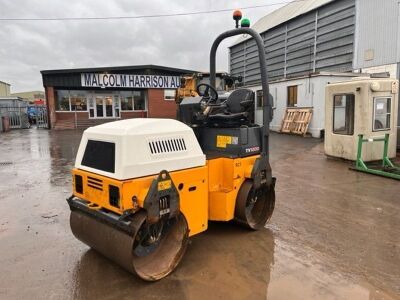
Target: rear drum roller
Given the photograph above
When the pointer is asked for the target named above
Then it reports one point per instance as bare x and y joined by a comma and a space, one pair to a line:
254, 207
150, 251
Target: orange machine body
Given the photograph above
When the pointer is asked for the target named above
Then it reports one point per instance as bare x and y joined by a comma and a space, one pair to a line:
205, 193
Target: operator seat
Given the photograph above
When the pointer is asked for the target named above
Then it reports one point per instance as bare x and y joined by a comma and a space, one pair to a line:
237, 111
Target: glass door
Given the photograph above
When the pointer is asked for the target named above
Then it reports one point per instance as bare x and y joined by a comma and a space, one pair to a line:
116, 105
104, 106
108, 106
99, 107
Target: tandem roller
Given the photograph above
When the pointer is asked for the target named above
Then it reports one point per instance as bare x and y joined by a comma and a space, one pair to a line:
143, 187
151, 252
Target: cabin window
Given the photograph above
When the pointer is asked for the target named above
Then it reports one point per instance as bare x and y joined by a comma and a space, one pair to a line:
382, 112
343, 114
292, 96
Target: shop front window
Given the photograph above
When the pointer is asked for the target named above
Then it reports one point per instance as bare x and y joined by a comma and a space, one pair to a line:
78, 100
133, 100
126, 100
71, 100
101, 104
62, 100
139, 99
382, 112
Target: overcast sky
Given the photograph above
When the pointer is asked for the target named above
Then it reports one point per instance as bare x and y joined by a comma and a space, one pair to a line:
27, 47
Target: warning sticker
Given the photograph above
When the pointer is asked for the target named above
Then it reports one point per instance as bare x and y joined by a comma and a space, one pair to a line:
164, 185
235, 140
223, 140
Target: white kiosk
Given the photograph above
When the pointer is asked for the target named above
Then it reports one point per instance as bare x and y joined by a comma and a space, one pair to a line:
366, 107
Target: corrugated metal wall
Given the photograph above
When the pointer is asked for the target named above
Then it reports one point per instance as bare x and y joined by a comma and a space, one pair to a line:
378, 33
321, 40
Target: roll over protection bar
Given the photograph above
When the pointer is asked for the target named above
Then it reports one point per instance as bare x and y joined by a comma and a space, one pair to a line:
267, 107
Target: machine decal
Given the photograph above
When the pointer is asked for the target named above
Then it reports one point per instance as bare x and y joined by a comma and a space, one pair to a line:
164, 185
252, 149
223, 140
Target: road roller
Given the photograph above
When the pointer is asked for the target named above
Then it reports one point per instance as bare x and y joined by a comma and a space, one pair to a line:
142, 187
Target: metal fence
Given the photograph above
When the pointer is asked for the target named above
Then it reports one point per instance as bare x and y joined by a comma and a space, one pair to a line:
42, 119
17, 116
20, 117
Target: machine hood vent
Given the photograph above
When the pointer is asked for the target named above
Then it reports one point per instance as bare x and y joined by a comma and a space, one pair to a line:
171, 145
95, 183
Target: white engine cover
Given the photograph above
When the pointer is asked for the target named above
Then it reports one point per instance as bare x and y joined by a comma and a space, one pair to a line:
145, 147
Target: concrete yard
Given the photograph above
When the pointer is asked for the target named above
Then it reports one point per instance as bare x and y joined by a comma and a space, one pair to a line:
335, 233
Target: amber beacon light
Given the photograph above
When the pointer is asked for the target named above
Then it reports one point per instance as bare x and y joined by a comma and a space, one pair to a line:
237, 16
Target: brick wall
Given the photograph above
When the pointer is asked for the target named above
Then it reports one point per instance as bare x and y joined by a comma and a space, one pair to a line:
80, 119
158, 107
51, 106
133, 114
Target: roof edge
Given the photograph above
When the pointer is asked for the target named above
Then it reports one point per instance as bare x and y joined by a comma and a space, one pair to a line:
116, 68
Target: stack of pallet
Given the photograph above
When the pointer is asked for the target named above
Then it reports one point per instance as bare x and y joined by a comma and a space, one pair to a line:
296, 120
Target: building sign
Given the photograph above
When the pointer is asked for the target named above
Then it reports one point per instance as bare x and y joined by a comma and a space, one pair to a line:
129, 81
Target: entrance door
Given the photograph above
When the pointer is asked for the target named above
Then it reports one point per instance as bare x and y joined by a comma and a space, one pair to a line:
106, 107
99, 107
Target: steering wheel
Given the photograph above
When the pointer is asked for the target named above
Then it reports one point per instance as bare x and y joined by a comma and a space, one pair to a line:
206, 93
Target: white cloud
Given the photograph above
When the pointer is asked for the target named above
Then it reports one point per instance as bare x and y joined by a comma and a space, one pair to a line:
182, 42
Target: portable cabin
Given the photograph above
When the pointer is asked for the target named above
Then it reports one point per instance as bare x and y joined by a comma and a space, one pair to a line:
357, 107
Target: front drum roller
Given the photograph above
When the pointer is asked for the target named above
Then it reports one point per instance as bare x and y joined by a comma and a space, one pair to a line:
150, 251
254, 206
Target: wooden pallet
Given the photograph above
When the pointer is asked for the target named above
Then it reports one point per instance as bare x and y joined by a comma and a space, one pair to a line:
296, 120
288, 120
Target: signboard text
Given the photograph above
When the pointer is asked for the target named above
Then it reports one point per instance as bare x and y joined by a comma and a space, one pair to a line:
129, 81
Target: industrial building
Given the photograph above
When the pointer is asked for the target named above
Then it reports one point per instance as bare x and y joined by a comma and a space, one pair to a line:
79, 98
12, 101
33, 97
310, 39
4, 89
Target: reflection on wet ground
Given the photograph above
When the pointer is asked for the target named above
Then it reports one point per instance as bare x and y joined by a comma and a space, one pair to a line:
335, 233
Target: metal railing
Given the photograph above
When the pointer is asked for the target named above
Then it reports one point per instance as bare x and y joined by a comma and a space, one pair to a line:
20, 118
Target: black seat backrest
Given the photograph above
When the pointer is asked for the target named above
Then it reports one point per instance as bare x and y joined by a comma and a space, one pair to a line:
237, 96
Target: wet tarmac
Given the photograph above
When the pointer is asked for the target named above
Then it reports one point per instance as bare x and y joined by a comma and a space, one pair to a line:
335, 233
